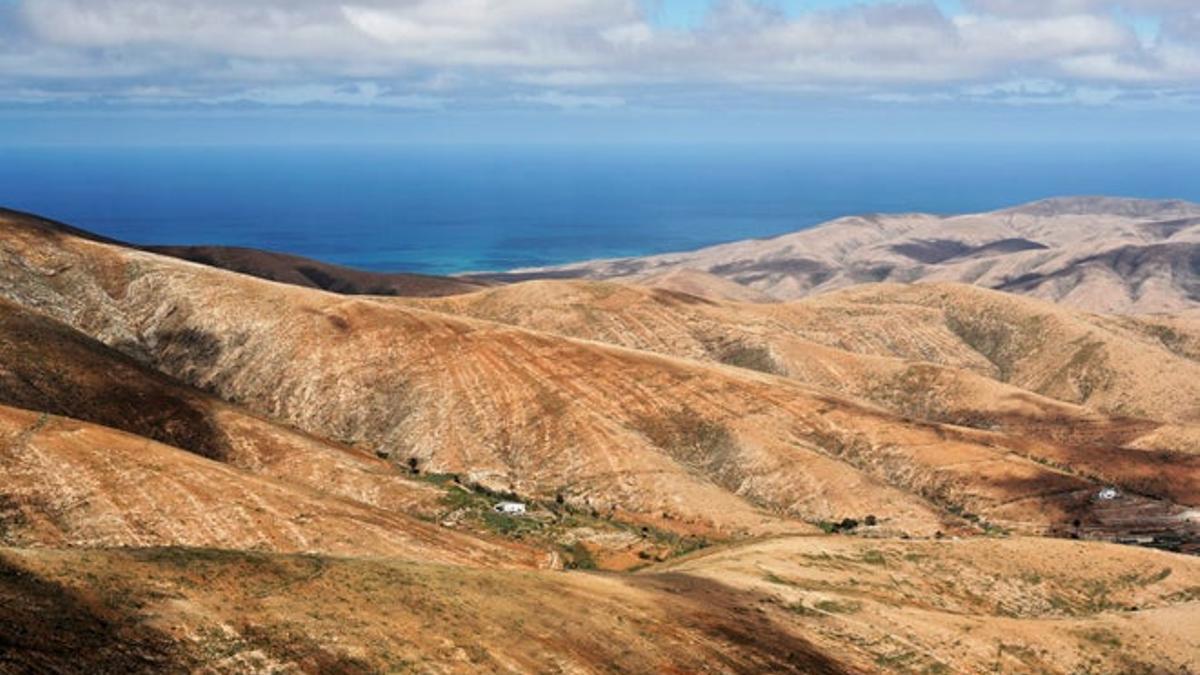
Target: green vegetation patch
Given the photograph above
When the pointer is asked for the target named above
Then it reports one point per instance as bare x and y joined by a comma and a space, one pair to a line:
551, 523
578, 557
751, 357
773, 578
799, 608
839, 606
874, 557
1101, 636
1002, 343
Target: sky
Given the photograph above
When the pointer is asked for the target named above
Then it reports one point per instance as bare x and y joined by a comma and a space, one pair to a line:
80, 72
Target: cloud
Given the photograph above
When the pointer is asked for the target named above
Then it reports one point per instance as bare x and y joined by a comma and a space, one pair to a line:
1040, 92
572, 101
356, 95
559, 52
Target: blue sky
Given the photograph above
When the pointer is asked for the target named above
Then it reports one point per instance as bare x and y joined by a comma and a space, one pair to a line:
171, 71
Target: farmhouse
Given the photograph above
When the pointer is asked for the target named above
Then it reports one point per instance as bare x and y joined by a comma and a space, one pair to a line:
510, 508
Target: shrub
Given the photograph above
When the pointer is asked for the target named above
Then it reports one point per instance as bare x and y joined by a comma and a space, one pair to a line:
874, 557
835, 607
751, 357
579, 557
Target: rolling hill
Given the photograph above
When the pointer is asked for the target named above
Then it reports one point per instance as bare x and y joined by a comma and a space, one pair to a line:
827, 605
1096, 254
291, 269
856, 340
673, 444
201, 468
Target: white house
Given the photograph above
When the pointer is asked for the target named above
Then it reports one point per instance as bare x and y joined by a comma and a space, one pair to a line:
1107, 494
510, 508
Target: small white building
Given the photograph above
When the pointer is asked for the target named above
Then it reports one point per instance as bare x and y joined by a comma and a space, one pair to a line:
1108, 494
510, 508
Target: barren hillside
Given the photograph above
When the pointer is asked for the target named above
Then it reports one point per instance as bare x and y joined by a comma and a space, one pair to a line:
290, 269
864, 341
204, 470
808, 605
52, 369
1096, 254
936, 353
68, 483
676, 444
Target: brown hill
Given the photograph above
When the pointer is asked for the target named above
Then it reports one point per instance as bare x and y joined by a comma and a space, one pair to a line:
804, 605
281, 267
636, 423
914, 350
69, 483
974, 606
1097, 254
676, 444
291, 269
47, 367
866, 341
704, 285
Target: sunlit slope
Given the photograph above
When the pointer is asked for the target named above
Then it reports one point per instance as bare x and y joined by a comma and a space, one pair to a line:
678, 443
931, 353
180, 609
48, 367
807, 605
1145, 367
69, 484
1094, 253
978, 605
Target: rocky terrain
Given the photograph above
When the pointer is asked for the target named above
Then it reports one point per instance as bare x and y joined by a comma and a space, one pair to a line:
1096, 254
205, 469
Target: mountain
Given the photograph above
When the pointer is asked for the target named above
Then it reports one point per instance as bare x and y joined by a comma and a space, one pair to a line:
69, 483
281, 267
950, 354
69, 379
856, 340
290, 269
200, 469
1096, 254
674, 444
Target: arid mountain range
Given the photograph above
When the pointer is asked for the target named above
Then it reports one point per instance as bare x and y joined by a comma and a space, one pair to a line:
252, 470
1095, 254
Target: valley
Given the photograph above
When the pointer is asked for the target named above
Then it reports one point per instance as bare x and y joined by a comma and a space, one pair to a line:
214, 457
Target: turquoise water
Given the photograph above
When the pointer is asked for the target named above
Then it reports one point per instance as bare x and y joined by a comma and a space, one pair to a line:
453, 209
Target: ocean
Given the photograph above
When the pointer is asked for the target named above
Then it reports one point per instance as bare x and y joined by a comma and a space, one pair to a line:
448, 209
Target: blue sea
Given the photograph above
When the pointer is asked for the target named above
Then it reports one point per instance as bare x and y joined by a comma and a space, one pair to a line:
446, 209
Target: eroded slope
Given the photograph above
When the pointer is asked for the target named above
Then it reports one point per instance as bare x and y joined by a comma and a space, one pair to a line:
674, 443
810, 605
69, 483
1097, 254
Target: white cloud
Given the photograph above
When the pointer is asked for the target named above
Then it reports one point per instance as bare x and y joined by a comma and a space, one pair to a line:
629, 35
571, 101
357, 94
1036, 87
288, 52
